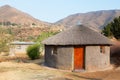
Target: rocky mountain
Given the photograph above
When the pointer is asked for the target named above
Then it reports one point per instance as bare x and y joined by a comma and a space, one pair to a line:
12, 15
96, 19
23, 26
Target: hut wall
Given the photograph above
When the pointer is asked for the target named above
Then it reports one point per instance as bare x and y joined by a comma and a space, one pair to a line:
18, 49
95, 60
61, 60
65, 55
50, 60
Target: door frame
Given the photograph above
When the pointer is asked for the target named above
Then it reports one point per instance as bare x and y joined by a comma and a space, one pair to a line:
73, 69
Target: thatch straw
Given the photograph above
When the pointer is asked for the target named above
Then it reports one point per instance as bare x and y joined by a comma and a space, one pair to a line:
78, 35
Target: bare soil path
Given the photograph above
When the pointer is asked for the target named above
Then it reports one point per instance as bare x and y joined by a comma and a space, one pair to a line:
31, 71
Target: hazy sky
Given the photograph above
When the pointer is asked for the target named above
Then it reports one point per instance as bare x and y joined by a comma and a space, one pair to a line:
54, 10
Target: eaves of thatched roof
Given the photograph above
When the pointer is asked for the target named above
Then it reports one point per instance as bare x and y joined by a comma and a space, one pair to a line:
78, 35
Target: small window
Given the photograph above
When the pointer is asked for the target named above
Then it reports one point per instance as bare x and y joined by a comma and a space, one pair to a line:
18, 47
102, 49
54, 51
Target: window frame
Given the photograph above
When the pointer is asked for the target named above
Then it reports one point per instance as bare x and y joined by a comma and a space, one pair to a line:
54, 50
102, 49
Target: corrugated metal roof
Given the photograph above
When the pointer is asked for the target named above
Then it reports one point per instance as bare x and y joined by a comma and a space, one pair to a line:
22, 43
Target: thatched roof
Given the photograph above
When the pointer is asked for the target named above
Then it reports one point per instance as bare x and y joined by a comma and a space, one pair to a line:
78, 35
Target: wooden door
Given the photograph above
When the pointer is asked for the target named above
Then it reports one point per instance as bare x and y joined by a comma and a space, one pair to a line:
78, 58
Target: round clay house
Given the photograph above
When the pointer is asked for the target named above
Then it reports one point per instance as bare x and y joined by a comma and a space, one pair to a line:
78, 48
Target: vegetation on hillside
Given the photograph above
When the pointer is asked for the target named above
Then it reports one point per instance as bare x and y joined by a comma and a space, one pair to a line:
35, 34
106, 31
4, 40
43, 36
35, 50
19, 26
112, 29
8, 23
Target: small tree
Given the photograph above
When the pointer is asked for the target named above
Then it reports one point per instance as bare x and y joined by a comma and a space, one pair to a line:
33, 24
33, 51
106, 30
113, 29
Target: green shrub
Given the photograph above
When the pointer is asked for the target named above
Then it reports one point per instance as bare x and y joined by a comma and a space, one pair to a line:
33, 51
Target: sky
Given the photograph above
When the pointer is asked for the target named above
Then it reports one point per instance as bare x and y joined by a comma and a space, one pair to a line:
54, 10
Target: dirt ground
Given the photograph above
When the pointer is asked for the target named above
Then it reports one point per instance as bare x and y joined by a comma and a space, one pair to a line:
31, 70
22, 68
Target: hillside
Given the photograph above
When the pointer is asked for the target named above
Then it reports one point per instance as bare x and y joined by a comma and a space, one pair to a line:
12, 15
96, 19
23, 26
